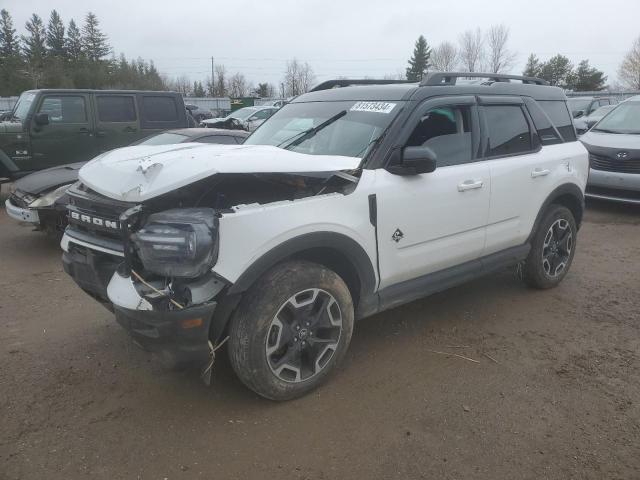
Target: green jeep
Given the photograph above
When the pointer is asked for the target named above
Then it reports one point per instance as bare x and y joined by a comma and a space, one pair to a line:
55, 127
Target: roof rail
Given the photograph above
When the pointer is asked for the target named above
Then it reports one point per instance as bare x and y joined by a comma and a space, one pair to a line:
449, 78
347, 83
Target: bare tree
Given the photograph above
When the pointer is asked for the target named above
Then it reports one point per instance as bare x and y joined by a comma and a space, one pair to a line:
399, 75
629, 71
471, 50
444, 57
220, 81
237, 85
500, 58
298, 78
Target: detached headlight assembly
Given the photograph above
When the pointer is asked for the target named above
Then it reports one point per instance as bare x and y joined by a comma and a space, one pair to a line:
50, 198
179, 242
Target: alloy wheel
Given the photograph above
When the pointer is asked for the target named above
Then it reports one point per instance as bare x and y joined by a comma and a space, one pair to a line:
556, 249
303, 335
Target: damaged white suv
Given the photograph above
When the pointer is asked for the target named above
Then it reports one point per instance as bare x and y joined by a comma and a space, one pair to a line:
347, 202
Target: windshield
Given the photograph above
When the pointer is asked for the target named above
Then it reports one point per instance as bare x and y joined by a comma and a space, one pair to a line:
602, 111
242, 114
578, 104
624, 119
23, 105
164, 139
350, 128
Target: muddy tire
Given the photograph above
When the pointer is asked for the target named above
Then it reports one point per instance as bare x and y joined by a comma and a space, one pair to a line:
552, 249
291, 329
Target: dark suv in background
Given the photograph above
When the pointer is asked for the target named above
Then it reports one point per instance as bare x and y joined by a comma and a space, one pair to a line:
584, 106
54, 127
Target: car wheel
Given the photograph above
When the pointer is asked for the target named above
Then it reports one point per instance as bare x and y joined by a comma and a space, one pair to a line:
291, 330
552, 249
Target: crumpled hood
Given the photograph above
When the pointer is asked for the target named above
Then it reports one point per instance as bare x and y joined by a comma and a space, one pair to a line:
49, 179
138, 173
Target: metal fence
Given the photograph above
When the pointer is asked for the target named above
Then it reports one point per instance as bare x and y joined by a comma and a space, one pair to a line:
7, 103
620, 95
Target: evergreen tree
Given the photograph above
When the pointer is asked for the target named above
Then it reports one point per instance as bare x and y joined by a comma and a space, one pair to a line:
73, 43
557, 71
586, 78
94, 42
34, 49
533, 67
8, 40
55, 35
419, 62
11, 64
198, 90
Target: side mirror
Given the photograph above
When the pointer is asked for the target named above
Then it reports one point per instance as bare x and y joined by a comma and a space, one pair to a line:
415, 160
578, 114
41, 119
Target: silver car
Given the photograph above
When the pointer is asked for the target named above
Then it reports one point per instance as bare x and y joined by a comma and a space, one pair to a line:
614, 154
247, 118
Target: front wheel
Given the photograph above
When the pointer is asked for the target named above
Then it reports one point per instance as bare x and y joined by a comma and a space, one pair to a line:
291, 329
552, 249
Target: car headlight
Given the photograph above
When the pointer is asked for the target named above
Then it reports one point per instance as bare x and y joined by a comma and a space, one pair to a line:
179, 242
50, 198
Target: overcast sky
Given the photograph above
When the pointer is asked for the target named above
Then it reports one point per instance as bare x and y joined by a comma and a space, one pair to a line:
352, 38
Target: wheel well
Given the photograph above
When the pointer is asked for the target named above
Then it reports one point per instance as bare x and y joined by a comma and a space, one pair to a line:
339, 263
573, 204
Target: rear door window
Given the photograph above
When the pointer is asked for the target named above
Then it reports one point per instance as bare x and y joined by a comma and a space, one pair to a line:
116, 108
508, 130
546, 130
558, 112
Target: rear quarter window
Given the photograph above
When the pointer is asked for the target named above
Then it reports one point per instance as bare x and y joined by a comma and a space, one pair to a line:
160, 109
546, 131
558, 112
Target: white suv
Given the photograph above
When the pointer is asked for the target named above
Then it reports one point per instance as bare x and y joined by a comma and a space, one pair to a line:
347, 202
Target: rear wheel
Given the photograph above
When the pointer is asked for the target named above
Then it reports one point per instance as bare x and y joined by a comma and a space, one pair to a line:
552, 249
291, 330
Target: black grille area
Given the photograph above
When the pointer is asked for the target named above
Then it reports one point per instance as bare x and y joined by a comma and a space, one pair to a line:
622, 165
95, 215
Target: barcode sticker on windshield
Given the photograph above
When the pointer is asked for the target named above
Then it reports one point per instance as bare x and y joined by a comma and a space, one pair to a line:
378, 107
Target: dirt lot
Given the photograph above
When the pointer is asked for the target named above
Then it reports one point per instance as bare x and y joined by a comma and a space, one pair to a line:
560, 401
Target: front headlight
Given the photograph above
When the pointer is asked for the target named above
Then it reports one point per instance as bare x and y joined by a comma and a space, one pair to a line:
50, 198
179, 243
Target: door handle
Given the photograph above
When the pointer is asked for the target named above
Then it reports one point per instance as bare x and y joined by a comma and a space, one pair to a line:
540, 172
470, 185
130, 129
100, 133
84, 131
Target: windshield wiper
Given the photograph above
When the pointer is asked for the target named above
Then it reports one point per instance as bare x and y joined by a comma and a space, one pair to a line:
311, 131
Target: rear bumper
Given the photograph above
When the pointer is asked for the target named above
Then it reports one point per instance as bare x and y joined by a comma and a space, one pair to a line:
615, 186
21, 214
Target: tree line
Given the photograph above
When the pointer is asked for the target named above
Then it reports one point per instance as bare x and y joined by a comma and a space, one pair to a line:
59, 55
478, 51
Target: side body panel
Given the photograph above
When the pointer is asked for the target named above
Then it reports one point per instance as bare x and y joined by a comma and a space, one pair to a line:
252, 231
429, 222
521, 184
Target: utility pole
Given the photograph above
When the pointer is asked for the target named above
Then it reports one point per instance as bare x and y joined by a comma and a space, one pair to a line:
213, 83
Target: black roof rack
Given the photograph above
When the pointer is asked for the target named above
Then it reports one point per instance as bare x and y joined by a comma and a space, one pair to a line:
329, 84
450, 78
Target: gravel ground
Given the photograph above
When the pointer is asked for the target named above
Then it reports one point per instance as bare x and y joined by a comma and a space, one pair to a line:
556, 392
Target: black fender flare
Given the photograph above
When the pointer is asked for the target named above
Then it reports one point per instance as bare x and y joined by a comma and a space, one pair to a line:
367, 301
339, 242
566, 189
